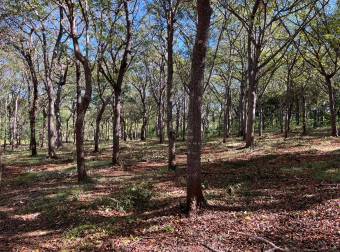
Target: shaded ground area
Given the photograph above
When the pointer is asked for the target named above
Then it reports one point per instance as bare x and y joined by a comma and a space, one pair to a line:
282, 191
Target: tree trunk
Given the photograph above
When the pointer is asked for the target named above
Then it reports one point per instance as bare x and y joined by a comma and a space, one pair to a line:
143, 128
98, 121
178, 114
33, 109
195, 198
297, 113
59, 135
144, 120
251, 113
304, 116
15, 124
170, 68
82, 105
245, 116
5, 125
260, 120
184, 119
332, 103
42, 133
241, 109
160, 124
226, 117
116, 128
51, 126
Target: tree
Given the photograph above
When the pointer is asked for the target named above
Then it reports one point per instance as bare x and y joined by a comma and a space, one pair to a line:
83, 99
321, 49
115, 68
263, 21
195, 198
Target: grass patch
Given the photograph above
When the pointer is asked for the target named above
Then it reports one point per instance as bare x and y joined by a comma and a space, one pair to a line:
135, 197
320, 171
95, 164
30, 178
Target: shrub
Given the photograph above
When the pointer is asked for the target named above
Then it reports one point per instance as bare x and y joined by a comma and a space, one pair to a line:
138, 196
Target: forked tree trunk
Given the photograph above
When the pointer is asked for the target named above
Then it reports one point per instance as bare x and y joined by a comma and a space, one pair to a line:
195, 198
124, 64
82, 105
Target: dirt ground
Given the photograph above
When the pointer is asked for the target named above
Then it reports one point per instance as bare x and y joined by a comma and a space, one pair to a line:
282, 194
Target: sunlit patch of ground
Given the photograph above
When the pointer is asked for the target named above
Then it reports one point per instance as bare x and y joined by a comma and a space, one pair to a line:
284, 191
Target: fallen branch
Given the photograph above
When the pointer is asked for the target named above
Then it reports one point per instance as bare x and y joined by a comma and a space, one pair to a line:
274, 246
210, 248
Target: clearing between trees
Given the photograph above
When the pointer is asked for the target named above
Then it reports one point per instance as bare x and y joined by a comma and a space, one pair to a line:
281, 195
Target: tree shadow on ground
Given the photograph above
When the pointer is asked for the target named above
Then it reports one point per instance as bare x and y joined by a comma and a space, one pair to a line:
52, 200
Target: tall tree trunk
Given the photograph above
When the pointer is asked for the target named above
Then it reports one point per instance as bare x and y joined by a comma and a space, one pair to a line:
160, 124
124, 134
251, 113
245, 116
178, 115
33, 109
51, 126
144, 119
184, 119
59, 135
304, 115
15, 123
195, 198
5, 125
118, 85
82, 105
226, 114
143, 127
170, 68
116, 127
332, 103
241, 109
43, 128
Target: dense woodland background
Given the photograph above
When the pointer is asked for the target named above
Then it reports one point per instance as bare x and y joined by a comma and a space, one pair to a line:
116, 81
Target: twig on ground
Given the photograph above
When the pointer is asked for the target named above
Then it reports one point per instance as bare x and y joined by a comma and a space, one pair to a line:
274, 247
210, 248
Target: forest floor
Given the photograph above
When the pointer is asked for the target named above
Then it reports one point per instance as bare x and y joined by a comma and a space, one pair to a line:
284, 192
